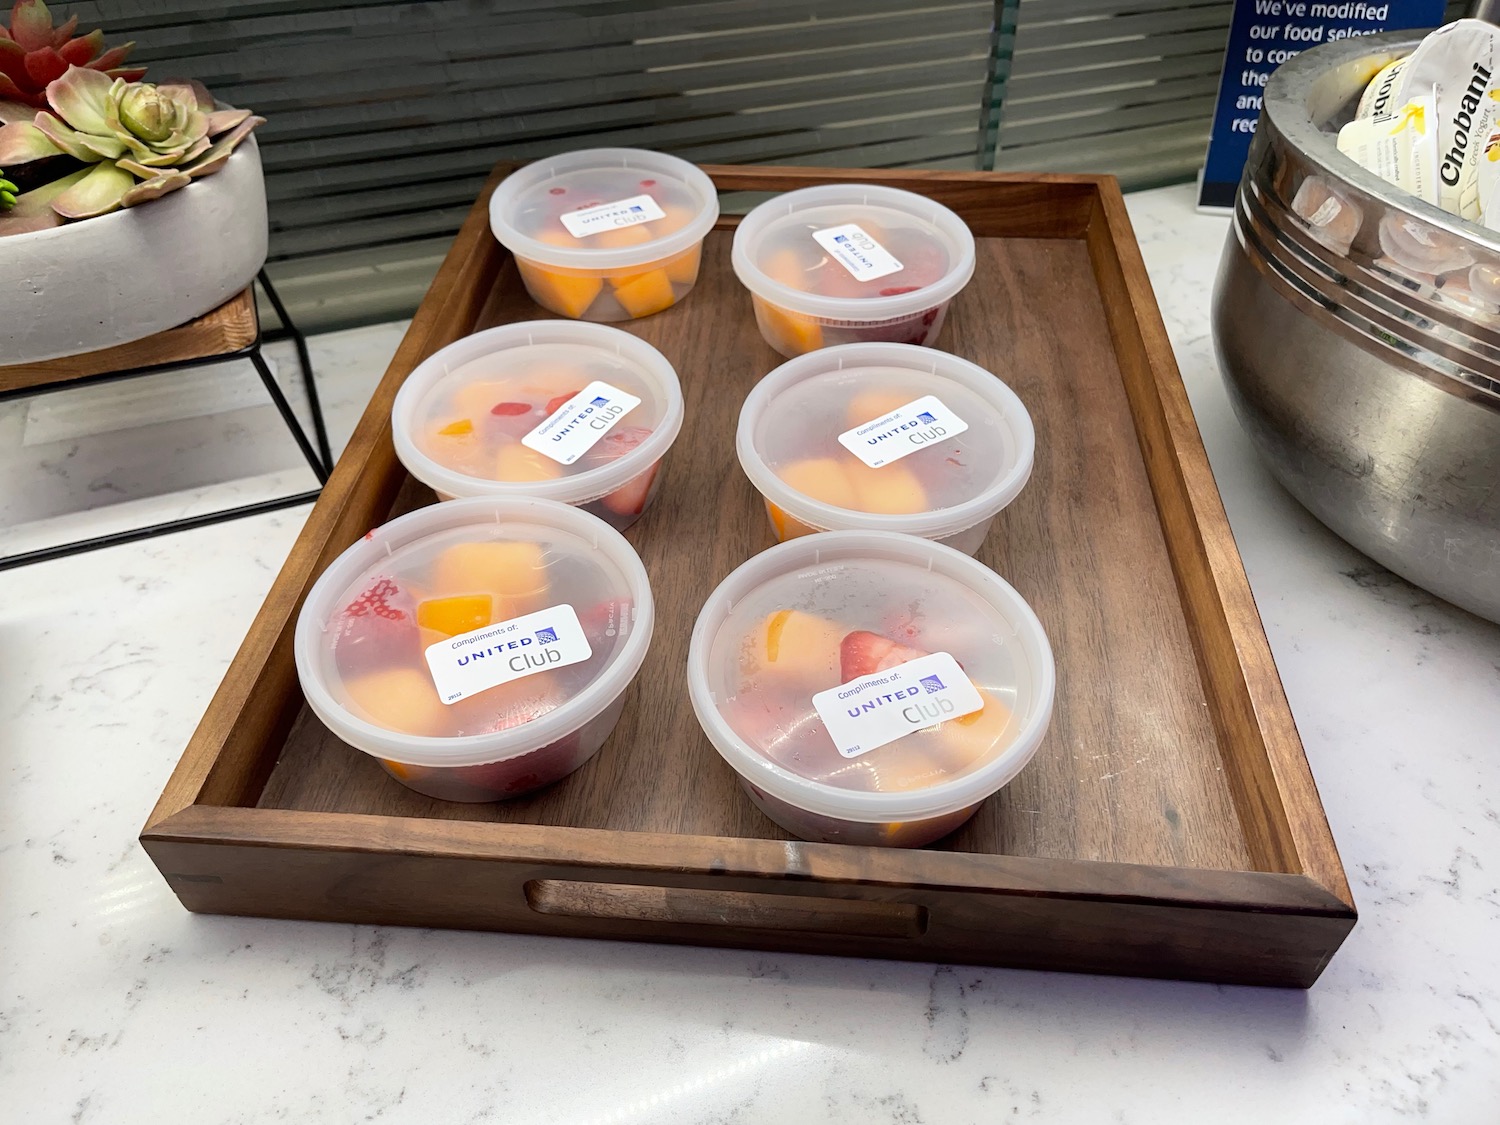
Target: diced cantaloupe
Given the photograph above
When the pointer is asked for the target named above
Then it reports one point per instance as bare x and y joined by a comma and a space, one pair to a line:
799, 646
674, 218
891, 490
522, 464
791, 334
645, 293
785, 526
970, 737
461, 428
567, 293
868, 405
786, 267
515, 574
613, 237
461, 613
821, 478
401, 699
683, 269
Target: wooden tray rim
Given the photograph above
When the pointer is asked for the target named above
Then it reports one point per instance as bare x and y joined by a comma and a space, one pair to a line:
1298, 869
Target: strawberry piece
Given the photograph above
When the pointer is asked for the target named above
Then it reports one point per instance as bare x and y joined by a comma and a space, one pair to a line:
897, 290
376, 630
864, 652
510, 409
377, 600
556, 404
619, 442
516, 776
630, 498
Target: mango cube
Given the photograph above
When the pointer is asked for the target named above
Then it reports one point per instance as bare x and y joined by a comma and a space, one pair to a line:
462, 613
785, 526
401, 699
644, 293
889, 490
788, 332
970, 737
683, 269
795, 645
822, 478
570, 294
514, 574
866, 406
522, 463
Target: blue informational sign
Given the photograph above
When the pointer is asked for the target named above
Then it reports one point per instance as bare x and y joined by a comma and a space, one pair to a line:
1263, 34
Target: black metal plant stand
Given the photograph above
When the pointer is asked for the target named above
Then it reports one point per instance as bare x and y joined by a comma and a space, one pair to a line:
319, 458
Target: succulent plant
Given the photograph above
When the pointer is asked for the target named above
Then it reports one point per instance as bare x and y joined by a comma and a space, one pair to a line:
33, 53
141, 141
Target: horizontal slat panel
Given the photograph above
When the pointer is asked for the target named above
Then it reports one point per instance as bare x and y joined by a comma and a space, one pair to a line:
386, 114
1109, 86
649, 123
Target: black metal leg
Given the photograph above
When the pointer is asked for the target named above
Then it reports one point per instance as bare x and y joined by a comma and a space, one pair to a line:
136, 534
299, 341
319, 459
285, 408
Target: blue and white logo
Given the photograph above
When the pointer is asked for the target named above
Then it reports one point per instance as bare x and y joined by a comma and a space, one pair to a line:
600, 401
926, 417
547, 636
932, 684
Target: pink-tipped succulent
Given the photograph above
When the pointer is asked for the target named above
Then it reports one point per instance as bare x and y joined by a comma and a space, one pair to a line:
34, 53
140, 141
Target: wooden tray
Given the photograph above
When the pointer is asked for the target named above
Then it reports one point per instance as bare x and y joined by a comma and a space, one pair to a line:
1168, 826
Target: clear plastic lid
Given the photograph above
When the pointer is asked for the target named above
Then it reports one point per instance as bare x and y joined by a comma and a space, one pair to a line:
871, 676
560, 409
473, 631
886, 436
853, 252
601, 208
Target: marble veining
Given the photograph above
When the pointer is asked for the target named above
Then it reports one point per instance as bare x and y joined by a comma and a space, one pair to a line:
116, 1006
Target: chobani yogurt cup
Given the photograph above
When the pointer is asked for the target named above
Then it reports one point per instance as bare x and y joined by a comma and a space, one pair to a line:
870, 688
885, 437
478, 649
606, 233
556, 409
850, 263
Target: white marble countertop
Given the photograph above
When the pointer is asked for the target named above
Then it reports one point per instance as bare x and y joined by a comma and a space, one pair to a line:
117, 1006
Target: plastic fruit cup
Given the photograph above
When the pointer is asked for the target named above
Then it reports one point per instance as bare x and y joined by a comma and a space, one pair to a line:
850, 263
556, 409
606, 233
870, 688
479, 649
885, 437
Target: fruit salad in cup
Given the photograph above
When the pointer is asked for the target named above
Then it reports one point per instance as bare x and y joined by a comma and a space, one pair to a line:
580, 413
887, 437
606, 234
869, 687
851, 263
478, 650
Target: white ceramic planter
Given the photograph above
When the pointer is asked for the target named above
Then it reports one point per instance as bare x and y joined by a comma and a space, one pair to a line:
126, 275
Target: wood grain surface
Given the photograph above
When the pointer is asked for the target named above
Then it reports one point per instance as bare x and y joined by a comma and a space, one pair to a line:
1168, 826
228, 328
1130, 771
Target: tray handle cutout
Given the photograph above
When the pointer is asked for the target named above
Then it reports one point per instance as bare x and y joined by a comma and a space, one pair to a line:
695, 906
